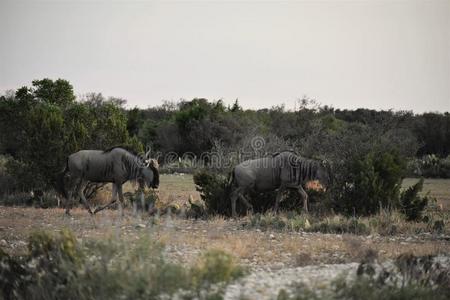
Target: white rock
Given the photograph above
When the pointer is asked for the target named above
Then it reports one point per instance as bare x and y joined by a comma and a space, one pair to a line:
3, 243
266, 284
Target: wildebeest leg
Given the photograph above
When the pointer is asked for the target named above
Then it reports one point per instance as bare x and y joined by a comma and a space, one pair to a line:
304, 196
278, 199
233, 197
113, 200
81, 194
68, 202
246, 202
121, 200
69, 181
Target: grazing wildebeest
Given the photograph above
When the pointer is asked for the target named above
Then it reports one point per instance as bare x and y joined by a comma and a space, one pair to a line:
282, 170
116, 165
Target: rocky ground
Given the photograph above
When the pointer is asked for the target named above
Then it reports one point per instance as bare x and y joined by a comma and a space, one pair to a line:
267, 284
275, 259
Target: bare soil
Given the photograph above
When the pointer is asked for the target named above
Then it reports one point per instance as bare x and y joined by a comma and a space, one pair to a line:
185, 239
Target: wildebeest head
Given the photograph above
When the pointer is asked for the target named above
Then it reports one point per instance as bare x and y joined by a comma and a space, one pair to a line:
150, 174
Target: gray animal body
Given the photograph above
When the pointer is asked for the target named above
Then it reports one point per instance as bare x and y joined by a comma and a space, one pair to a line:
116, 165
280, 171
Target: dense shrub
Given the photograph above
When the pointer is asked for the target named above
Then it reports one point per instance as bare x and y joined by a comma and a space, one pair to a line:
372, 182
213, 189
36, 198
6, 180
59, 267
411, 203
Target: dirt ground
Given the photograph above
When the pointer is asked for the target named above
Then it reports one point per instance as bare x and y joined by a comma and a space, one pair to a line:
186, 238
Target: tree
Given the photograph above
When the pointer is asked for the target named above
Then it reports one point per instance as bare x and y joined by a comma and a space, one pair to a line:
44, 124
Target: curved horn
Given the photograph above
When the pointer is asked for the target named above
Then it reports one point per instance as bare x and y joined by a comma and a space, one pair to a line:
148, 150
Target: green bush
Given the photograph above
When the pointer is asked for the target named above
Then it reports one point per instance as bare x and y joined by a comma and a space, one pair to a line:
340, 225
59, 267
213, 189
269, 221
7, 182
16, 199
215, 266
371, 183
411, 203
149, 200
43, 200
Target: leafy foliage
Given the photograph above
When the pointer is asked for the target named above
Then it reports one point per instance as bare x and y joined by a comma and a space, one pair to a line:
213, 189
373, 182
412, 204
43, 124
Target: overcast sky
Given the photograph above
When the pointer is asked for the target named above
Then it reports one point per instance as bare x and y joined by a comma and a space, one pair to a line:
348, 54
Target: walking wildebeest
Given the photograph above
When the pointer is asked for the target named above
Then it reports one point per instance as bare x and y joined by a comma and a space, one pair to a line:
116, 165
282, 170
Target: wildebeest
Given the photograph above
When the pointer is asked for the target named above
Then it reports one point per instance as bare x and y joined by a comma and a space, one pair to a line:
282, 170
116, 165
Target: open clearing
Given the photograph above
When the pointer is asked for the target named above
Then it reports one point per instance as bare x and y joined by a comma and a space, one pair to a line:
264, 252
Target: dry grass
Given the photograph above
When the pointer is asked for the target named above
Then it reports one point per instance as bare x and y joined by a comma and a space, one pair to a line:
185, 239
174, 188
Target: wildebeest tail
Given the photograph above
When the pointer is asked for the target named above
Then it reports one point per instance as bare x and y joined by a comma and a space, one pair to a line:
60, 188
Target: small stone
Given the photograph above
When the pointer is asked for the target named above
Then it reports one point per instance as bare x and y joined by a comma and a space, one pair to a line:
3, 243
140, 225
271, 236
278, 265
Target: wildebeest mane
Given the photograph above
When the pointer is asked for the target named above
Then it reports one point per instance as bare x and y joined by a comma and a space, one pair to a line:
121, 147
283, 151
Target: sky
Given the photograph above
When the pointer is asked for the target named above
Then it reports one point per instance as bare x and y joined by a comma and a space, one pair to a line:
347, 54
